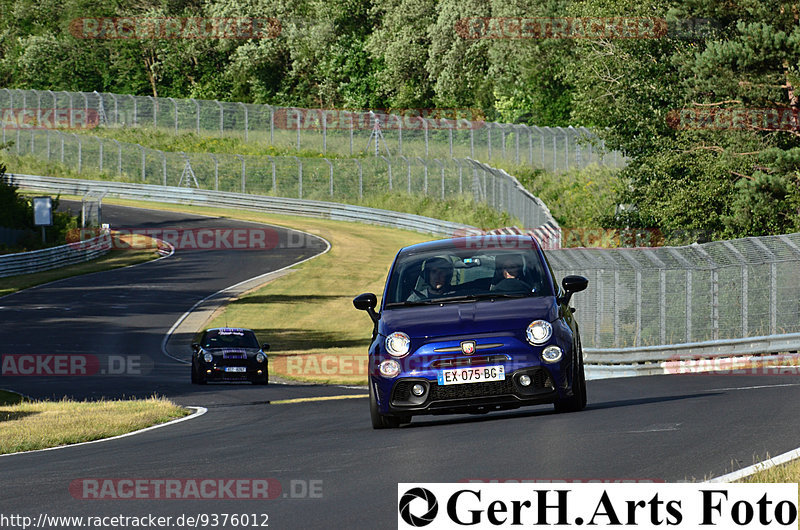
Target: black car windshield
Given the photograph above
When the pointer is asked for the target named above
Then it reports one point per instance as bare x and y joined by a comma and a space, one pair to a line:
229, 338
454, 275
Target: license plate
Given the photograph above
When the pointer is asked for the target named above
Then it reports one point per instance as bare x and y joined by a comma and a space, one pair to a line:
458, 376
235, 368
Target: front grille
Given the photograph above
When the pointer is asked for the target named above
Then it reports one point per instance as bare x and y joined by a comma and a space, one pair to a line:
471, 390
402, 391
480, 360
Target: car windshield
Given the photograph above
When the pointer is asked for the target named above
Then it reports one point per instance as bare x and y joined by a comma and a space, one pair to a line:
230, 338
455, 275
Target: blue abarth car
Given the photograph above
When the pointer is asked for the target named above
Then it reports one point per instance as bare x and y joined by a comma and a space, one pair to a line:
473, 324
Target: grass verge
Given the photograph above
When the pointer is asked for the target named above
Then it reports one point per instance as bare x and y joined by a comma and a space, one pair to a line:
789, 472
113, 260
29, 425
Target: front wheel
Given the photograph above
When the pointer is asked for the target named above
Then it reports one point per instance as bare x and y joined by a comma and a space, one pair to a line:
380, 421
198, 378
578, 400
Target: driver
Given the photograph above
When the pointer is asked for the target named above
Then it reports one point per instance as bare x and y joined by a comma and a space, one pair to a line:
508, 267
437, 275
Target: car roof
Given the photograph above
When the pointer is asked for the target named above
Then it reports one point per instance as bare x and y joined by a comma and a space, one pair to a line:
229, 329
478, 242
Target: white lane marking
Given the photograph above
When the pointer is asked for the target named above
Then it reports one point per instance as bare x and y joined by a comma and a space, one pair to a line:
661, 427
199, 411
751, 387
189, 312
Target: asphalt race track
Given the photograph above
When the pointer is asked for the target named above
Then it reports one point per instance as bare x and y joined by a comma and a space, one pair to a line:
333, 470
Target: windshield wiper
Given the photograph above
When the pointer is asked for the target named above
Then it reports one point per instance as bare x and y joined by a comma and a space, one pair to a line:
409, 303
499, 295
458, 298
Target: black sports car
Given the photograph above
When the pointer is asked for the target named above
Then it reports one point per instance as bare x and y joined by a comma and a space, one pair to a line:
229, 354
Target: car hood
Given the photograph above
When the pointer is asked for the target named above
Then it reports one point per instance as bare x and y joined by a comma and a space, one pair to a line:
474, 317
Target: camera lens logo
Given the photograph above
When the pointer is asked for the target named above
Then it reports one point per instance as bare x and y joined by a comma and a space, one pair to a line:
405, 507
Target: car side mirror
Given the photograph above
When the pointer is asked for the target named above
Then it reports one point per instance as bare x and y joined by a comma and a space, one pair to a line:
367, 302
572, 284
265, 347
195, 346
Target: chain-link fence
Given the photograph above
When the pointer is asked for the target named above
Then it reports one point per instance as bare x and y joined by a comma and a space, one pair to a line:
449, 133
329, 179
671, 295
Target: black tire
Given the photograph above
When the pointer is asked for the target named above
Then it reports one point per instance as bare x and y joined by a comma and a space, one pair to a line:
577, 401
381, 421
200, 378
582, 376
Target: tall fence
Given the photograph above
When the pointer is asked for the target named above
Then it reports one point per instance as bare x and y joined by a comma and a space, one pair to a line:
448, 134
329, 179
698, 293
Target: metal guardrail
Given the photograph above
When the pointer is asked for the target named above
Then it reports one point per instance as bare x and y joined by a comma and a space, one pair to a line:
278, 205
787, 342
50, 258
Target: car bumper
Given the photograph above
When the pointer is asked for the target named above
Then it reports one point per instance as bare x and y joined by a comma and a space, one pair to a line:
469, 397
220, 373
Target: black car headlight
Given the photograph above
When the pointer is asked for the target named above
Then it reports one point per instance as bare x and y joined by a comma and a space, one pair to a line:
260, 357
208, 358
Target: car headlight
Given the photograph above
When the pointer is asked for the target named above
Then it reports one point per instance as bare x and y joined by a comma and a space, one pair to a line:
389, 368
539, 332
260, 357
398, 344
552, 354
208, 358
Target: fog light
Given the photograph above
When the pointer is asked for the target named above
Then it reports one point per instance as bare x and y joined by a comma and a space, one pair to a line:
208, 372
418, 390
525, 380
389, 368
552, 354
